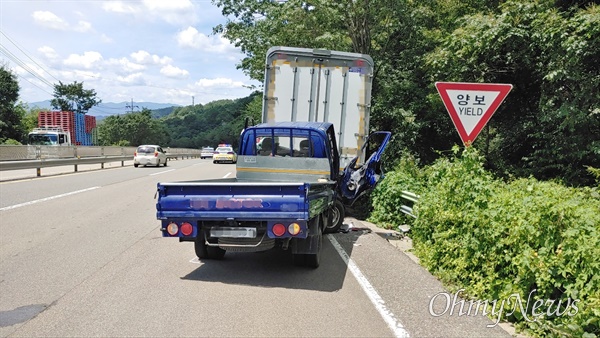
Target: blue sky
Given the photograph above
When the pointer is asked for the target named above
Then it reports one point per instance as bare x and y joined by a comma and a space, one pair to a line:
159, 51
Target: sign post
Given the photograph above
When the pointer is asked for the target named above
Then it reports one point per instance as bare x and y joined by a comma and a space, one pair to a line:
471, 105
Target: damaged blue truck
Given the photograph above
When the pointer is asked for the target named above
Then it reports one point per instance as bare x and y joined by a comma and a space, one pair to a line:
292, 177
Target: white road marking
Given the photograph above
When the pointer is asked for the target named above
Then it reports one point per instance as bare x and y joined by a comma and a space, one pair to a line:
227, 175
47, 199
162, 172
387, 315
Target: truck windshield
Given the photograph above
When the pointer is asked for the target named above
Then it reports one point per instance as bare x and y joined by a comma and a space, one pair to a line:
283, 142
42, 139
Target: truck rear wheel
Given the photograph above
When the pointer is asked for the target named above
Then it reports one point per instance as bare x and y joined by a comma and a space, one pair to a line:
338, 212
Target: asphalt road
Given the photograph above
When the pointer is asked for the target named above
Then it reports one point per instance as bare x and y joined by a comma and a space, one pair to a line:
81, 254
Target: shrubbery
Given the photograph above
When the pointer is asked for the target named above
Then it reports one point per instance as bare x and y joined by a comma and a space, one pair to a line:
495, 239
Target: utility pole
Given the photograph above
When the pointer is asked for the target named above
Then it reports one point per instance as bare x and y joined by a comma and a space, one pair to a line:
192, 101
132, 106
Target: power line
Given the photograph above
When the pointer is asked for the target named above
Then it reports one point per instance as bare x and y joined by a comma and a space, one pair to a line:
23, 65
30, 58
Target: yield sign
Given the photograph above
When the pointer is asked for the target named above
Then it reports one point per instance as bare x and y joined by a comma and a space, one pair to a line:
471, 105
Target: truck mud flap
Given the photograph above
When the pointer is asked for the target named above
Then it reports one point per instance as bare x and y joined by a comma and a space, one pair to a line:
312, 243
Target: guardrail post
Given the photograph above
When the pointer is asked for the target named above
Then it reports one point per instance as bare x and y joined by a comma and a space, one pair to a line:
102, 154
75, 153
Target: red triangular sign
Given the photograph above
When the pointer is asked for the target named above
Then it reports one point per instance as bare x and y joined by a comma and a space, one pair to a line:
471, 105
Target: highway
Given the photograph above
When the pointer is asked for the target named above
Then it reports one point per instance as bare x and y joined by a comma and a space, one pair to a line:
81, 255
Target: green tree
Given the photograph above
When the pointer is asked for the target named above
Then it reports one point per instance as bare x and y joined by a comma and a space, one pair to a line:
555, 96
133, 129
72, 97
11, 112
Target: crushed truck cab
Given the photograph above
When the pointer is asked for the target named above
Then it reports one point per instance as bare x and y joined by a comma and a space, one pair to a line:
283, 194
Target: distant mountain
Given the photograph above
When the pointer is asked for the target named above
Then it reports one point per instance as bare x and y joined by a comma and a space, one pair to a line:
106, 109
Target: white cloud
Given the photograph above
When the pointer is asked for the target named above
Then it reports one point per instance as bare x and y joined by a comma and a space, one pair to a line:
143, 57
190, 37
119, 7
171, 5
48, 52
105, 38
125, 65
83, 26
174, 72
87, 60
219, 83
132, 79
49, 20
174, 12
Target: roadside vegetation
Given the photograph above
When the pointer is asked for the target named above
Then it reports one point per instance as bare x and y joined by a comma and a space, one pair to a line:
498, 238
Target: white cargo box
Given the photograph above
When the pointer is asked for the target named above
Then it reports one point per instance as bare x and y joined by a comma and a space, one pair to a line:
304, 84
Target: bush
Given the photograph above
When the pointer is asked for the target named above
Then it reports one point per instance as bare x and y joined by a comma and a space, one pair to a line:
386, 198
11, 141
498, 239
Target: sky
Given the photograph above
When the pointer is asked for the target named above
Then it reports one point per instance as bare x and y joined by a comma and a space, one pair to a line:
160, 51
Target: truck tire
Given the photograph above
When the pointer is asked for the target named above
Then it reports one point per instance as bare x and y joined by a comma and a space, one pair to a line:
338, 213
204, 251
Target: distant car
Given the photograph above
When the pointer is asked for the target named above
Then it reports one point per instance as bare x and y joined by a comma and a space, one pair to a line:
207, 152
224, 154
149, 155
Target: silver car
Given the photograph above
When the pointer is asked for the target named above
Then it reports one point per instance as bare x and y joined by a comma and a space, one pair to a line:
149, 155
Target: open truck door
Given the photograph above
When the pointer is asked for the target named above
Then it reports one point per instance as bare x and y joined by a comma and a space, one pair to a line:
359, 179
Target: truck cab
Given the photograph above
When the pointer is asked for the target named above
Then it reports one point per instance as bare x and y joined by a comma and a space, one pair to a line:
49, 136
307, 151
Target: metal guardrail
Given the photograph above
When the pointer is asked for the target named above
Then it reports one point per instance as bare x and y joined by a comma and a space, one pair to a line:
408, 209
38, 157
412, 197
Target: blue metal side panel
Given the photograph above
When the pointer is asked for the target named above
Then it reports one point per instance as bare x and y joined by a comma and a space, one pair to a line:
233, 201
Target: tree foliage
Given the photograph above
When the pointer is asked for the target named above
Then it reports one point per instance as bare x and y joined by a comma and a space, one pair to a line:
132, 130
547, 49
11, 113
216, 122
72, 97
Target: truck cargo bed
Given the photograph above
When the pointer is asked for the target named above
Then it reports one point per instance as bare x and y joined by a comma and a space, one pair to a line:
235, 199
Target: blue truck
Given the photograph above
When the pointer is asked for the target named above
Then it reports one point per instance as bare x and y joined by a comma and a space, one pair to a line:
283, 195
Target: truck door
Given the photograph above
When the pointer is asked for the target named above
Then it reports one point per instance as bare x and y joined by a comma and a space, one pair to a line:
359, 179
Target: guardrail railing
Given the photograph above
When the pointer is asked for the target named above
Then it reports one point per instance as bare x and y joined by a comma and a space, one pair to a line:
412, 198
14, 157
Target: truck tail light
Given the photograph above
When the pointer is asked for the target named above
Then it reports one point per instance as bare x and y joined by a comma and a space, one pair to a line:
186, 228
294, 229
172, 229
278, 229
